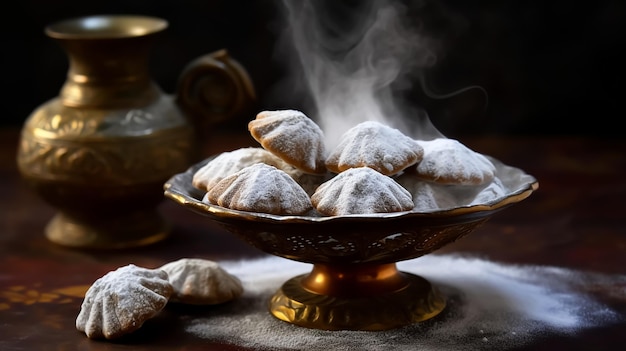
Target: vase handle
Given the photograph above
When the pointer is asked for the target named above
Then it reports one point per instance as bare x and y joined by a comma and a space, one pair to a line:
213, 88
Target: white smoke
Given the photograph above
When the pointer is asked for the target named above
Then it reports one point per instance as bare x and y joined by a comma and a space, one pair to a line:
354, 57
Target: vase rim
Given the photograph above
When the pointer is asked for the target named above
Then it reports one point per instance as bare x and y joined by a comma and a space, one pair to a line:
106, 27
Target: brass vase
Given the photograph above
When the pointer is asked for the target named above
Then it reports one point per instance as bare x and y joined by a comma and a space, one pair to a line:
100, 152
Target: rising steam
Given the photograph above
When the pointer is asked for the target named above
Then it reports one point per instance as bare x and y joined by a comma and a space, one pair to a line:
354, 57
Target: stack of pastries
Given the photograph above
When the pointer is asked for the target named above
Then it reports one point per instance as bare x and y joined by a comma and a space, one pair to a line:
373, 169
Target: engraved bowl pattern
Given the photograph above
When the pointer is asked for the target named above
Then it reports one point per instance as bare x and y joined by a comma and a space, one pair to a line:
352, 239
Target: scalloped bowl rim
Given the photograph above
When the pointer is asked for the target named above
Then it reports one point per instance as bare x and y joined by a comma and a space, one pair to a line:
520, 186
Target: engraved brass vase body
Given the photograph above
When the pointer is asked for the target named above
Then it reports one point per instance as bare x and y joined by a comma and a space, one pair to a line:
100, 151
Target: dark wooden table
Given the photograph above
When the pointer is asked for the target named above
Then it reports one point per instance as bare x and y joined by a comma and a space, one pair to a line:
577, 219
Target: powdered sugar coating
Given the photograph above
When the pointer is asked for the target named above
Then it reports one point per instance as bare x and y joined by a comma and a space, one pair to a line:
448, 161
260, 188
122, 300
201, 282
490, 192
292, 136
361, 190
230, 162
440, 174
375, 145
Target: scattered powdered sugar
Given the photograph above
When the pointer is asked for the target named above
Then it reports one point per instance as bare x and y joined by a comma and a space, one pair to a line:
489, 306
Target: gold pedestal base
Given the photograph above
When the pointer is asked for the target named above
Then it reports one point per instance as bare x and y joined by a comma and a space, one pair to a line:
130, 230
362, 298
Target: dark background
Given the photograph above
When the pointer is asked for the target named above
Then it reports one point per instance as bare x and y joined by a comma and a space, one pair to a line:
549, 67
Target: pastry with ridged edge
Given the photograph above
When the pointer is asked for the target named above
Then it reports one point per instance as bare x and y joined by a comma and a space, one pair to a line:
448, 161
229, 162
121, 301
260, 188
361, 190
198, 281
292, 136
375, 145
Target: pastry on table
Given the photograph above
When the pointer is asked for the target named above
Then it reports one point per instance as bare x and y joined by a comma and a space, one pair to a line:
201, 282
260, 188
361, 190
375, 145
292, 136
122, 300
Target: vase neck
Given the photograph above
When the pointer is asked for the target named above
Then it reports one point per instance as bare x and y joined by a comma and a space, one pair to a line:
111, 73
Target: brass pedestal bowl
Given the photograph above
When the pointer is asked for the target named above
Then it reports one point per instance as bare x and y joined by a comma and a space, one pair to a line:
354, 283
